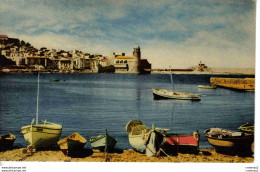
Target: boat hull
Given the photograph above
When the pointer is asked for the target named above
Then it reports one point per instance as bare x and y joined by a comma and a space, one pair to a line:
207, 86
103, 141
137, 142
166, 94
7, 141
225, 140
41, 136
72, 143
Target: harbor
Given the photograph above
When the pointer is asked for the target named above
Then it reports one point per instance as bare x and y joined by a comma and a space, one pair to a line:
90, 103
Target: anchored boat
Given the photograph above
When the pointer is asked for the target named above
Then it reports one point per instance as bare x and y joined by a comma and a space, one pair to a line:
166, 94
103, 142
73, 142
41, 135
207, 86
7, 141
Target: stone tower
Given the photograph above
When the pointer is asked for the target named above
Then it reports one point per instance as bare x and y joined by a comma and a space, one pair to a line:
137, 54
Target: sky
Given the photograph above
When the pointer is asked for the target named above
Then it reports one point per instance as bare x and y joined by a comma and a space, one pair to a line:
176, 33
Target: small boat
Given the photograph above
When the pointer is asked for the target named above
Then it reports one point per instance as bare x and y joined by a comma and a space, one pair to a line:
54, 80
7, 141
248, 128
73, 142
103, 142
41, 135
183, 139
207, 86
222, 138
167, 94
143, 139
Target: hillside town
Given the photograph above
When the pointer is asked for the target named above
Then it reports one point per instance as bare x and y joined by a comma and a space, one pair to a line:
16, 55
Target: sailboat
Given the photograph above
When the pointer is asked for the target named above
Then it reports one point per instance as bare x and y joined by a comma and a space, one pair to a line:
168, 94
41, 135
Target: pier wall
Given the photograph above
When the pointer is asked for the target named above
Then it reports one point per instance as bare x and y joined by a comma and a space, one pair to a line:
235, 83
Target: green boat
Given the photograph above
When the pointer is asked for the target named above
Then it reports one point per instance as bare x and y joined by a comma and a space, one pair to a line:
103, 142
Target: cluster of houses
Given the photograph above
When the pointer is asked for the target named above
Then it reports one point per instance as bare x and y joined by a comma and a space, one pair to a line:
25, 55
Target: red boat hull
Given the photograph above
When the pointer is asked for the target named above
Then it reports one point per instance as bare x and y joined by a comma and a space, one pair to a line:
182, 140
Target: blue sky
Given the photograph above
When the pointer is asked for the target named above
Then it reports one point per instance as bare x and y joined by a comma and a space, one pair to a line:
179, 33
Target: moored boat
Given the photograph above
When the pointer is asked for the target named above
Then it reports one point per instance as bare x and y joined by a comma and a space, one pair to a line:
207, 86
103, 142
222, 138
73, 142
7, 141
167, 94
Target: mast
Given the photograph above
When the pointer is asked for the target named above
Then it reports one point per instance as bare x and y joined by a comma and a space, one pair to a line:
171, 78
38, 91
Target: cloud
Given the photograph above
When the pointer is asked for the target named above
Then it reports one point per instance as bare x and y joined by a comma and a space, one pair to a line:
217, 32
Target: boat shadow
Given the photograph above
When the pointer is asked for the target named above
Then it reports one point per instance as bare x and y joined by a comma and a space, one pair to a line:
241, 152
88, 152
175, 150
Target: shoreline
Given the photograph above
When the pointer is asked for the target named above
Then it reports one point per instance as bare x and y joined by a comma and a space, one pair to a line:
87, 155
246, 72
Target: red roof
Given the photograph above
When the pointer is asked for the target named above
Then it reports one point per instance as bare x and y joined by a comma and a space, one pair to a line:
3, 36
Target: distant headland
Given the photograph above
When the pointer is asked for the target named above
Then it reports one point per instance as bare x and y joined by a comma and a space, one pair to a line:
20, 57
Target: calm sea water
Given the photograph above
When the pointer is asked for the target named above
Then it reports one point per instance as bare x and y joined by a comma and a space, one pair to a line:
90, 103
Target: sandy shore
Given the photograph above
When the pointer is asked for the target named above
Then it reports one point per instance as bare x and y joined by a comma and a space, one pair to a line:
205, 155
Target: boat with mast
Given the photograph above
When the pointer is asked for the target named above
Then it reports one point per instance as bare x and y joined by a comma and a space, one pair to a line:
168, 94
41, 135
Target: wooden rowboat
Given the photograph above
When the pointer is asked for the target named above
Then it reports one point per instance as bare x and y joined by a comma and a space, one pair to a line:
222, 138
103, 142
72, 143
6, 141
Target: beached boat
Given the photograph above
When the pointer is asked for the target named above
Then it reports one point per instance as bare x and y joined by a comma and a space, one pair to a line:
7, 141
222, 138
249, 128
103, 142
143, 139
73, 142
183, 139
207, 86
41, 135
166, 94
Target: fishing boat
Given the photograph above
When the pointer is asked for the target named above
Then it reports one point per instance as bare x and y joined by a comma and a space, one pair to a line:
41, 135
103, 142
249, 128
207, 86
73, 142
222, 138
143, 139
7, 141
168, 94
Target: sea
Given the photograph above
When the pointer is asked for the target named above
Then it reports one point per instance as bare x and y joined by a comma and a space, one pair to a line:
91, 103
